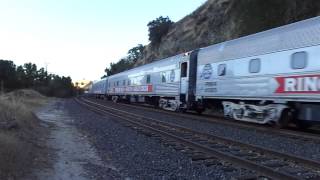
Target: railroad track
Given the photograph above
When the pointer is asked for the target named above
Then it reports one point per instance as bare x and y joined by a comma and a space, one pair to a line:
289, 133
208, 148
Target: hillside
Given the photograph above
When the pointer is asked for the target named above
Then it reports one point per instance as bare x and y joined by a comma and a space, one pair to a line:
220, 20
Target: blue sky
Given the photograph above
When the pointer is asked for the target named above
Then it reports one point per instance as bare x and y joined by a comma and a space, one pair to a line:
79, 38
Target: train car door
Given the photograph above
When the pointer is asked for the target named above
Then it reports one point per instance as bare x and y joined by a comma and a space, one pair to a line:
184, 80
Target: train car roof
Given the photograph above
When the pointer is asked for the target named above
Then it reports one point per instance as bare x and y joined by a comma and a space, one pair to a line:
155, 64
296, 35
99, 81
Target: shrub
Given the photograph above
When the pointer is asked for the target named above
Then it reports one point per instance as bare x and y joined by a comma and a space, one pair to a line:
158, 28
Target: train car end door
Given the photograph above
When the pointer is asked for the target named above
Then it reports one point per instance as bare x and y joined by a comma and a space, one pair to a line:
184, 81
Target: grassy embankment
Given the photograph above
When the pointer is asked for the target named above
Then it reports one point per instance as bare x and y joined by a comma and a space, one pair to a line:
20, 133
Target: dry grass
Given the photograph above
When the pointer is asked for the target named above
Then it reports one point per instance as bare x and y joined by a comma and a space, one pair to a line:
19, 132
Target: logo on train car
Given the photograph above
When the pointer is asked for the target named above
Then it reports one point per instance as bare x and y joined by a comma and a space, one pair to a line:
299, 84
206, 72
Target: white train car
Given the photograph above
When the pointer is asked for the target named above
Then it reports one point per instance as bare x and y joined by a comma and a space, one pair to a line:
269, 77
99, 88
157, 83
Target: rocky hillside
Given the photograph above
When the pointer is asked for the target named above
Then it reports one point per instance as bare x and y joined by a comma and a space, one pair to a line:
221, 20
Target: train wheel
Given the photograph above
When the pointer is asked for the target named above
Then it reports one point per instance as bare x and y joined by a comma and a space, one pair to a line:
285, 119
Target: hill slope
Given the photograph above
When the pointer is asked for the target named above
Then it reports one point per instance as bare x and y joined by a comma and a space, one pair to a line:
220, 20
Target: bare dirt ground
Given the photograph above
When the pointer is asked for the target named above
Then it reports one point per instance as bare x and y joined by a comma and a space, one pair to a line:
72, 156
85, 145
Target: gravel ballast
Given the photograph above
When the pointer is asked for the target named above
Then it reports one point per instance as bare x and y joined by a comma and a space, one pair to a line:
298, 147
137, 156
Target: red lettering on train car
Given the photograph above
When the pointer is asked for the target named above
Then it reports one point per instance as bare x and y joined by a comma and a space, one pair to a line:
299, 84
149, 88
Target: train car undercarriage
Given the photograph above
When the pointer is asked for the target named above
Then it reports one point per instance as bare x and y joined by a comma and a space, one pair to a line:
260, 112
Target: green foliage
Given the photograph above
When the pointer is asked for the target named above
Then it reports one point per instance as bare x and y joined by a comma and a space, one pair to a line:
29, 76
7, 74
134, 54
158, 28
122, 65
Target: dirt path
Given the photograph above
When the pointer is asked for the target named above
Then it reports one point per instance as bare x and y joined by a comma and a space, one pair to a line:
86, 145
72, 151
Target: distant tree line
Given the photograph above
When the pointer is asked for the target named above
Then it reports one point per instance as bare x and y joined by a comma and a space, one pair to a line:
29, 76
157, 29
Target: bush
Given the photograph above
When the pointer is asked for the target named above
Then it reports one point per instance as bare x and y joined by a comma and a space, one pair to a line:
158, 28
19, 133
134, 54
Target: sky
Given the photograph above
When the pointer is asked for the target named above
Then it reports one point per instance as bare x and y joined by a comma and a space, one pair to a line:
79, 38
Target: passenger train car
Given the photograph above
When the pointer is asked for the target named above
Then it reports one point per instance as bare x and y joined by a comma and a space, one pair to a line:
269, 77
99, 88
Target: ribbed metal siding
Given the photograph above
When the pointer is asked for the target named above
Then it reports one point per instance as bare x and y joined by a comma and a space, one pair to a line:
167, 89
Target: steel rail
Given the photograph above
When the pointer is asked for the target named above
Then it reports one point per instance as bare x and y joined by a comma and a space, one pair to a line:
309, 162
233, 123
263, 170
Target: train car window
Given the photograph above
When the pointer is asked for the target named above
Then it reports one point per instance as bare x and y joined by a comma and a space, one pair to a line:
184, 68
117, 83
124, 82
163, 77
254, 65
129, 82
148, 79
299, 60
114, 83
222, 68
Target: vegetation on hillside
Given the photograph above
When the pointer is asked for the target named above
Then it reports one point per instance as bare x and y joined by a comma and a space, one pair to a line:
218, 21
134, 54
29, 76
157, 29
222, 20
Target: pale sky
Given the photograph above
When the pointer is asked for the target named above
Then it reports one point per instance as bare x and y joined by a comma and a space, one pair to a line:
79, 38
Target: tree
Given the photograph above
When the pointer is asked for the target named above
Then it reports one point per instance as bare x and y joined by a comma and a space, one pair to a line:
31, 73
120, 66
28, 76
158, 28
21, 77
135, 53
42, 78
7, 74
104, 76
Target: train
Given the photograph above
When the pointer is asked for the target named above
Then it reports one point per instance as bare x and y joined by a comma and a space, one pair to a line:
271, 77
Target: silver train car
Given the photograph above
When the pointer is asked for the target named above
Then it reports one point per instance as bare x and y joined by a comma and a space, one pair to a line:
270, 77
99, 88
